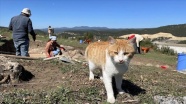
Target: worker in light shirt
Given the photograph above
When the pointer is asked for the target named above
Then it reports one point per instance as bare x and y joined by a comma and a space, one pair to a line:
139, 38
50, 31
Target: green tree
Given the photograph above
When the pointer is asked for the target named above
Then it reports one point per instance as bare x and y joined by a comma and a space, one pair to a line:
88, 35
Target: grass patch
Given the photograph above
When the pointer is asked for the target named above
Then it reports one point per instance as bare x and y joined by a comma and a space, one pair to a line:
62, 41
90, 94
73, 43
156, 56
157, 82
73, 68
61, 95
153, 80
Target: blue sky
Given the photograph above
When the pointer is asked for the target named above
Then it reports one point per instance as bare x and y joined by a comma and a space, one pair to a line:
99, 13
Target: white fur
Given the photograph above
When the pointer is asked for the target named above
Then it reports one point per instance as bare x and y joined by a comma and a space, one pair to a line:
112, 67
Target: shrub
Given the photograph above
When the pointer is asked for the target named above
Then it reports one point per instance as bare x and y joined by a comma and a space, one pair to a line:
166, 50
182, 42
146, 43
163, 49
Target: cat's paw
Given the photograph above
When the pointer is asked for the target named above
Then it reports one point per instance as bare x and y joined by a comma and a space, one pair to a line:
101, 78
91, 78
111, 100
121, 91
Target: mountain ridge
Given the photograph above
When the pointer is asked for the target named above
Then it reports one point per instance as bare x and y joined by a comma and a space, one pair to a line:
176, 30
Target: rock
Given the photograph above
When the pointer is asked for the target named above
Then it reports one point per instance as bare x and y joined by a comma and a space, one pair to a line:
169, 100
75, 55
9, 71
184, 99
149, 64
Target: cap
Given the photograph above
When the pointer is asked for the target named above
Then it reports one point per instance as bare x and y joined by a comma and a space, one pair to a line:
53, 37
26, 11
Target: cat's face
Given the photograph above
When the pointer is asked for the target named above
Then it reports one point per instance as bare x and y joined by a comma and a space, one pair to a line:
121, 51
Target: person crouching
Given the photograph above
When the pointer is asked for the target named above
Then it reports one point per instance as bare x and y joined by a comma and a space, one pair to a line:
52, 47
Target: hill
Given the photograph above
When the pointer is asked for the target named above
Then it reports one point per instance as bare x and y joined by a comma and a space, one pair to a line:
176, 30
40, 32
159, 35
77, 28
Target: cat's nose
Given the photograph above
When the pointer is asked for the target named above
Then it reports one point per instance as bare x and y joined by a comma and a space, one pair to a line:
121, 61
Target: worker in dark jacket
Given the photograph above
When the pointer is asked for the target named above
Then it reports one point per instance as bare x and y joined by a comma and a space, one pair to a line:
21, 26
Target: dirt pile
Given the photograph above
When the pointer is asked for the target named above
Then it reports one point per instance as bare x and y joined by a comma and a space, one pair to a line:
74, 55
157, 35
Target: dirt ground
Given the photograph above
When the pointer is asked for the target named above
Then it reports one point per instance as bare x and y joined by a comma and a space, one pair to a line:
47, 74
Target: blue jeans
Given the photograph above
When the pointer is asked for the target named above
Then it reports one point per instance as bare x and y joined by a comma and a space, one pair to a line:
22, 47
56, 52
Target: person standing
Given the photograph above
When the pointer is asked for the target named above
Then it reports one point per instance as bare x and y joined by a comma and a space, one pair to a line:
139, 38
50, 31
21, 26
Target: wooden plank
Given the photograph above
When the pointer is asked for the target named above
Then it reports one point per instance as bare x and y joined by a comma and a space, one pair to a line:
50, 58
19, 57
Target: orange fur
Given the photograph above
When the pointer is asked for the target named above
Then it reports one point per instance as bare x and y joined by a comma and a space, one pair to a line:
96, 51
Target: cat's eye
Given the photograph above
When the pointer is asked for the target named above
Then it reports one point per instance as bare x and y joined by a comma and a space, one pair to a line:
125, 53
116, 53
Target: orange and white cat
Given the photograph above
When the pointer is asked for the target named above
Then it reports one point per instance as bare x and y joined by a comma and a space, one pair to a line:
113, 57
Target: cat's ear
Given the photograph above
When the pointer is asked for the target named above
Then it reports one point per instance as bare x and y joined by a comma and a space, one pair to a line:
111, 40
133, 43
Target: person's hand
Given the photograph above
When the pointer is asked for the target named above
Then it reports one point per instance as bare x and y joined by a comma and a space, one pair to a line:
62, 48
34, 37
